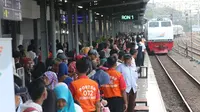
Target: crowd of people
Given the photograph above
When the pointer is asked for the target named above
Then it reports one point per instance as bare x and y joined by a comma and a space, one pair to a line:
101, 78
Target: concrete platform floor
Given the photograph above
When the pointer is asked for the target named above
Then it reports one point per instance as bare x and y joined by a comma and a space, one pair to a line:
148, 88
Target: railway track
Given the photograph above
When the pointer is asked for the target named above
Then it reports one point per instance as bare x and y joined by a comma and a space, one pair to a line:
189, 45
183, 41
186, 85
195, 41
190, 49
171, 98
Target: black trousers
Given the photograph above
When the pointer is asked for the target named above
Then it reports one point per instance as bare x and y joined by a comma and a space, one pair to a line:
131, 101
115, 104
143, 56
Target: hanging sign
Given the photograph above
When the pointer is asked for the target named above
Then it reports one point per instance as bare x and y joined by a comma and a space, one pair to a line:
11, 10
127, 17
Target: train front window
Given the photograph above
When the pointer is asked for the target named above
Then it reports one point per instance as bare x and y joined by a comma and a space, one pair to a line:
165, 24
154, 24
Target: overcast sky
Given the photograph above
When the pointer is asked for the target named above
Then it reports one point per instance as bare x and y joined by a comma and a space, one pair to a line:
171, 0
180, 4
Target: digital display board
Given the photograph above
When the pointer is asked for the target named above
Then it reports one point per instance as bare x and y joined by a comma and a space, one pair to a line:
11, 10
127, 17
64, 19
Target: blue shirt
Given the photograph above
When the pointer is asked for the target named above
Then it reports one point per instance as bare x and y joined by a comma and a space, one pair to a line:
68, 81
63, 69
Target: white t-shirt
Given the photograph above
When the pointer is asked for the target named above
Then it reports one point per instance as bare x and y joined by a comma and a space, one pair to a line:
30, 103
133, 62
143, 46
78, 108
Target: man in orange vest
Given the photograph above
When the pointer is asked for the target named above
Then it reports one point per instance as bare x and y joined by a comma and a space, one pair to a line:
115, 92
85, 90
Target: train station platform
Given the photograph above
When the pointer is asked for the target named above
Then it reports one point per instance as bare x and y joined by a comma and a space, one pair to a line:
148, 89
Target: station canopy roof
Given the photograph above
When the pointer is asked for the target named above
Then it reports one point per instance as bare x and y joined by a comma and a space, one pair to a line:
109, 8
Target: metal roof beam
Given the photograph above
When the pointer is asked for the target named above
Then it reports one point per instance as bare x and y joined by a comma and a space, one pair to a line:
120, 4
130, 11
86, 1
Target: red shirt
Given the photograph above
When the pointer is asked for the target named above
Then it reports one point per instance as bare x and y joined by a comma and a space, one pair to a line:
86, 92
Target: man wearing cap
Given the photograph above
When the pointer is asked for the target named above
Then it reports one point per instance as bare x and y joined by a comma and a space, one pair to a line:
60, 51
63, 70
130, 75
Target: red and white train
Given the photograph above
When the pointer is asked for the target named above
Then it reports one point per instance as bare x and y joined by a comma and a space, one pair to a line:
159, 35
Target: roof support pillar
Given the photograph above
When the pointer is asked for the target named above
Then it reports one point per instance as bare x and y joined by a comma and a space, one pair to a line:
85, 28
109, 26
108, 30
14, 35
76, 29
1, 30
90, 27
113, 28
104, 27
43, 29
35, 33
93, 26
100, 28
70, 35
52, 28
120, 26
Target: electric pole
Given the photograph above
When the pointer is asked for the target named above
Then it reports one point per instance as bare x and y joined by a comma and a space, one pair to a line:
191, 35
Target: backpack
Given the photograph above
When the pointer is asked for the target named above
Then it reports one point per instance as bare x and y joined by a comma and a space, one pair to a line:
30, 109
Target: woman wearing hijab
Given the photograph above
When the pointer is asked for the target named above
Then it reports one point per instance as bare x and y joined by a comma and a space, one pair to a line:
65, 101
72, 68
50, 78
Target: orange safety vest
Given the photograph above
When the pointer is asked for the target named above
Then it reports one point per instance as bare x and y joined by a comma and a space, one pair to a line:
113, 89
86, 93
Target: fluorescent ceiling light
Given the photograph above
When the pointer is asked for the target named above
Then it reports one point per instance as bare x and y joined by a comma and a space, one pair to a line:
63, 31
97, 14
101, 15
80, 7
65, 1
95, 2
